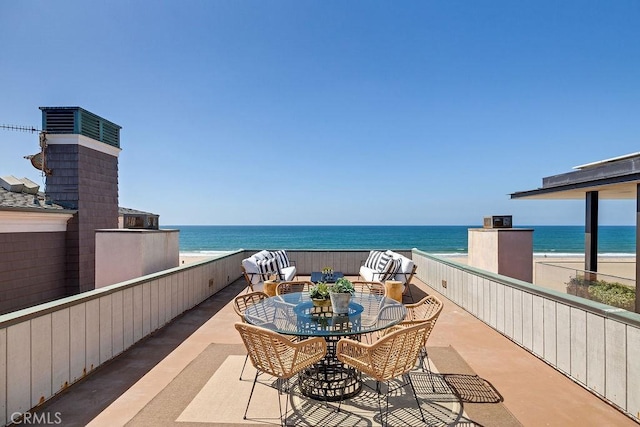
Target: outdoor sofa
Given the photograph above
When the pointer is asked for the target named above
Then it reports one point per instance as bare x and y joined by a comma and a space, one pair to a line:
381, 266
266, 264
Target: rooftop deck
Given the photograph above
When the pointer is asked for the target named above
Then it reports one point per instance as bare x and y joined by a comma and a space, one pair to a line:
187, 374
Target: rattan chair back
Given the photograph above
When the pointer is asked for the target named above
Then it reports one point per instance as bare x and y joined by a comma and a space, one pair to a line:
294, 286
391, 356
364, 287
428, 308
240, 303
277, 355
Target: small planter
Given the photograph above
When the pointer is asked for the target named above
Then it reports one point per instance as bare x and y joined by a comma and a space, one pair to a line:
321, 302
340, 302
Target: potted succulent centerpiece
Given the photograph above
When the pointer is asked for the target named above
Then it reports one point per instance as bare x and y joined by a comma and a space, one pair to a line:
327, 273
319, 294
340, 294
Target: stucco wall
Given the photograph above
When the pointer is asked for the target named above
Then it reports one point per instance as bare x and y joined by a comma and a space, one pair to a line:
123, 254
504, 251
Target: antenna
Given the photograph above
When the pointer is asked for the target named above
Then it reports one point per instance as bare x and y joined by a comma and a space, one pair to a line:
31, 129
37, 160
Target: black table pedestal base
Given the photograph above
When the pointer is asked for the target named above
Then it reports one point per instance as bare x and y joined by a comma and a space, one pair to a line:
330, 379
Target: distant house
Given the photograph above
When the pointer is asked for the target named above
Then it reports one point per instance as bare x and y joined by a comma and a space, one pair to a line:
33, 257
48, 239
132, 218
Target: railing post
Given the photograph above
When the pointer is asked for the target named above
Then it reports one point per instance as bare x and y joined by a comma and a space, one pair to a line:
637, 248
591, 236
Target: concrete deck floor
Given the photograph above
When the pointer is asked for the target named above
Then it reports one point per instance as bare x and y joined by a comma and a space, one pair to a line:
533, 392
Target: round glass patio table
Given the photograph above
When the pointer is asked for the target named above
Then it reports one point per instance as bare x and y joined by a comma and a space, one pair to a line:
294, 314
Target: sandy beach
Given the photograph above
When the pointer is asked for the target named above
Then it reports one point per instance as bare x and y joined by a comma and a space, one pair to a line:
188, 259
615, 266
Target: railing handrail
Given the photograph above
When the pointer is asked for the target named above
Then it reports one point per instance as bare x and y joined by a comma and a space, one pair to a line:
607, 311
598, 273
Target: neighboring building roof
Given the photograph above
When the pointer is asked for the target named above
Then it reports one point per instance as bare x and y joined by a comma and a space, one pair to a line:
127, 211
14, 200
615, 178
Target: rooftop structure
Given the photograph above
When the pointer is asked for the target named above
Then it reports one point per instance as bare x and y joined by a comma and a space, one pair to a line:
614, 178
47, 239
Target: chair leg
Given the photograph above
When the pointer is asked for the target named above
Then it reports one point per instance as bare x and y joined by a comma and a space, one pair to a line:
279, 385
380, 403
243, 366
408, 287
425, 356
416, 396
386, 411
251, 394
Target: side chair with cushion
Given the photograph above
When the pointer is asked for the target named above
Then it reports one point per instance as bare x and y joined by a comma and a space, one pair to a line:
392, 356
381, 266
276, 355
264, 265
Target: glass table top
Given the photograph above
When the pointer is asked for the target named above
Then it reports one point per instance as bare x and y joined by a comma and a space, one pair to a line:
295, 314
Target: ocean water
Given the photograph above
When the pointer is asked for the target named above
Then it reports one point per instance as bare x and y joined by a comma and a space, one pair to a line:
438, 240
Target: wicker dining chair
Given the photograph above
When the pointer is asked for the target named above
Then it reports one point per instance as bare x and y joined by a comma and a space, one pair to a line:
240, 304
392, 356
427, 309
364, 287
278, 356
294, 286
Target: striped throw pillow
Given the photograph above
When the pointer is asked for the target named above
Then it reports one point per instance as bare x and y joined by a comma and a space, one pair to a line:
268, 267
282, 257
372, 260
393, 267
383, 262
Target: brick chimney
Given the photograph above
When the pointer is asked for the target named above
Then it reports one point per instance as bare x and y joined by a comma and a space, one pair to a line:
82, 153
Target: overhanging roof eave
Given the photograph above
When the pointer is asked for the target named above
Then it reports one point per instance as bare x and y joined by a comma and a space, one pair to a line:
578, 189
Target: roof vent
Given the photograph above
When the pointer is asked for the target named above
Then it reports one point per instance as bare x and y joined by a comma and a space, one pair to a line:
76, 120
30, 187
11, 183
22, 185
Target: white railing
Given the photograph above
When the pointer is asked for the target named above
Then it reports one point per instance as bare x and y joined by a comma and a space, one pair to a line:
46, 348
594, 344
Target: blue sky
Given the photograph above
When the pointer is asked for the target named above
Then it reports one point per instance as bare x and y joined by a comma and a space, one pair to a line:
334, 112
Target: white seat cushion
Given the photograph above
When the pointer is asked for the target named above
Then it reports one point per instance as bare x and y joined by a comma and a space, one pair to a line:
367, 273
289, 273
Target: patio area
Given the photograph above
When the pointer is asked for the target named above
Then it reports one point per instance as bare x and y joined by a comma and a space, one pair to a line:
187, 374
